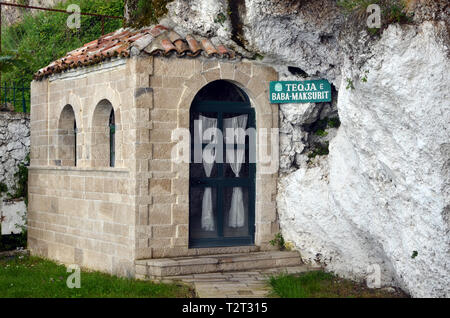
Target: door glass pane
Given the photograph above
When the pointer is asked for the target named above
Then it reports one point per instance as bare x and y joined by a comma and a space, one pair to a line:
203, 214
197, 170
203, 161
235, 214
244, 168
235, 141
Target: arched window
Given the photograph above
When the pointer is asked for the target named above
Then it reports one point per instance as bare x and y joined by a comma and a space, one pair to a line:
112, 139
66, 152
103, 135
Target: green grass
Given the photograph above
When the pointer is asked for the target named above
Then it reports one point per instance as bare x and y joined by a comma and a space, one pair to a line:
43, 37
318, 284
30, 277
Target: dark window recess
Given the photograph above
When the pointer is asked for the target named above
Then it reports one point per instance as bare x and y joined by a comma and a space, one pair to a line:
75, 142
112, 139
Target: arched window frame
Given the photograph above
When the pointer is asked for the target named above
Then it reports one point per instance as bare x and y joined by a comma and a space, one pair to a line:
103, 136
66, 139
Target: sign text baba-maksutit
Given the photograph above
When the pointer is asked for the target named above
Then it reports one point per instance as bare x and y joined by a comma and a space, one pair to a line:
315, 91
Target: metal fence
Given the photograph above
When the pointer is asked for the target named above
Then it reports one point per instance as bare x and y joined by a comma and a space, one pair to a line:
15, 95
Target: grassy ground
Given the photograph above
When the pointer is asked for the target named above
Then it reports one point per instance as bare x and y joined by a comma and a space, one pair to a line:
25, 276
318, 284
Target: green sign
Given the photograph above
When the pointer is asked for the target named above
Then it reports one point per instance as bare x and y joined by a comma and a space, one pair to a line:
317, 91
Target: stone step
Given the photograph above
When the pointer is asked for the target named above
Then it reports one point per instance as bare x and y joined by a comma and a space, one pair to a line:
165, 267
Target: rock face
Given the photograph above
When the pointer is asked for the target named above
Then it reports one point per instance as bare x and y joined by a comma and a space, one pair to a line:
299, 33
379, 202
14, 213
382, 197
14, 144
12, 14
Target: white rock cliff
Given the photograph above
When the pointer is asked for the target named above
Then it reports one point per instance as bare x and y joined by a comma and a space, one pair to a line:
380, 199
383, 194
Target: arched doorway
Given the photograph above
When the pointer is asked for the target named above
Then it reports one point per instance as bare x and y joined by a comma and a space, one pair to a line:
222, 169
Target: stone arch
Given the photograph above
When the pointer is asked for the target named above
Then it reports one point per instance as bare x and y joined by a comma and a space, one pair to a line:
103, 137
254, 81
74, 101
252, 86
66, 138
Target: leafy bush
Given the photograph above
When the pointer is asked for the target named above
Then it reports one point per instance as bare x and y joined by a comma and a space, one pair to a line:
278, 241
44, 36
146, 12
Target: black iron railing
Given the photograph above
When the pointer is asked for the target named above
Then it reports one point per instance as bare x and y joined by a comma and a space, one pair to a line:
15, 95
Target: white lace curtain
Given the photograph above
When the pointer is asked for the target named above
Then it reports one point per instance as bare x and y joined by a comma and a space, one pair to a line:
234, 132
207, 135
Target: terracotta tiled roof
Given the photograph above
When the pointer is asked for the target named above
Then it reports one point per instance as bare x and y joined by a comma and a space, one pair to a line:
157, 40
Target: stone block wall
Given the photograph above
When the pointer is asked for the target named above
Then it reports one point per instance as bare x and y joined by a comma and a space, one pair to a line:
84, 214
14, 148
14, 144
105, 217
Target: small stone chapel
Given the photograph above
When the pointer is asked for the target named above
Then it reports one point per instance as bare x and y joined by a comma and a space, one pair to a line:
104, 189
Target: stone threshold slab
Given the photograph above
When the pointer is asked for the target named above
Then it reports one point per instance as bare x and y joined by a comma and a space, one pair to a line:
218, 263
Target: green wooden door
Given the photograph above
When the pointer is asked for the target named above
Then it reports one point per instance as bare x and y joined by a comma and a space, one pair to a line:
222, 182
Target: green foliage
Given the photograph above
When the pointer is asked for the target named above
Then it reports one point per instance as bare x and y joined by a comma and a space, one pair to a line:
414, 254
395, 13
320, 149
27, 276
333, 122
44, 37
9, 60
21, 187
319, 284
364, 77
373, 31
392, 11
319, 129
3, 188
278, 241
146, 12
321, 133
258, 56
320, 126
220, 18
351, 5
349, 83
